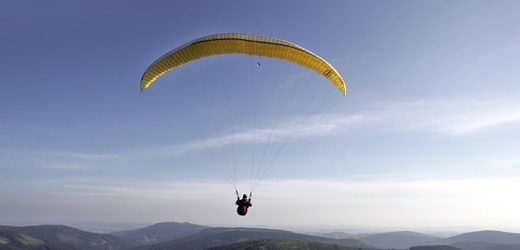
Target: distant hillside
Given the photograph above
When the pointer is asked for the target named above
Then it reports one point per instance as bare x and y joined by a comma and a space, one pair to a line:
282, 245
159, 233
485, 246
434, 248
481, 240
186, 236
335, 235
399, 240
59, 233
491, 237
10, 240
214, 237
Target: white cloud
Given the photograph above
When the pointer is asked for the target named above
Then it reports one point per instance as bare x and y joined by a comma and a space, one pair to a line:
506, 162
54, 159
290, 129
438, 116
450, 117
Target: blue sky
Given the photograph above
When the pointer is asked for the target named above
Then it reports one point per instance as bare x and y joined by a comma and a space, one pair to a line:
427, 136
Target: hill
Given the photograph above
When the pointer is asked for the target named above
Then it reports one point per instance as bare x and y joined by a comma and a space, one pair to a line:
434, 248
485, 246
173, 235
10, 240
159, 233
490, 237
282, 245
480, 240
73, 236
169, 235
335, 235
399, 240
215, 237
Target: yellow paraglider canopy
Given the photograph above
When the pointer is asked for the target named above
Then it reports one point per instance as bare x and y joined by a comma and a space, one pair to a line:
235, 43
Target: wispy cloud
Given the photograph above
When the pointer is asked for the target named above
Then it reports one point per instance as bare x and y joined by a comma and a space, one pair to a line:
506, 162
289, 129
53, 159
438, 116
449, 117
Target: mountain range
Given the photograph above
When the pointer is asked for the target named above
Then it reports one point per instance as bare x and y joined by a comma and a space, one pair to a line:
479, 240
174, 235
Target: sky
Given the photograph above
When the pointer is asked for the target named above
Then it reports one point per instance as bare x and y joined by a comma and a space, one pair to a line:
426, 137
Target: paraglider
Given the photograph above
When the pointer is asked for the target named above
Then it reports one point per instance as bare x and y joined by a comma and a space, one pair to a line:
243, 204
235, 43
252, 45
